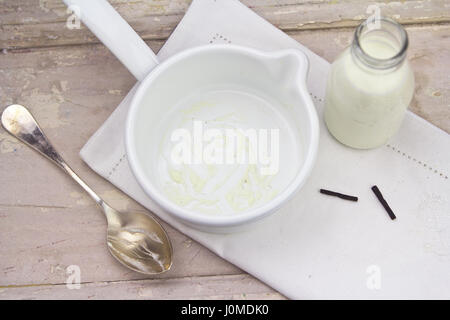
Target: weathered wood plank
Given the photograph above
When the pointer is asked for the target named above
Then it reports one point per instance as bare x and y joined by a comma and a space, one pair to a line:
216, 287
37, 244
43, 23
71, 91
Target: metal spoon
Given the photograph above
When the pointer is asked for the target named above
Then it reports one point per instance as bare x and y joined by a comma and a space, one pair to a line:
134, 239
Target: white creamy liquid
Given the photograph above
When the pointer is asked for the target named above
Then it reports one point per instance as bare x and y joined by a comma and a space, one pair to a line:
364, 107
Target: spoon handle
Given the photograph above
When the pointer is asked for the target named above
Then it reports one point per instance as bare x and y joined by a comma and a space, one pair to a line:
19, 122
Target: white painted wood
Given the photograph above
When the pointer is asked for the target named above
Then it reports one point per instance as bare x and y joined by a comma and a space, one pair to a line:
43, 23
216, 287
37, 244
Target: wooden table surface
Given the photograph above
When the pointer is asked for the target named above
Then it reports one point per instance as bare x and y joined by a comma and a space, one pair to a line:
72, 83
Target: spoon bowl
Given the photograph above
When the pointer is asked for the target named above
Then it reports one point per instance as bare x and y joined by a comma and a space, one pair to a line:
135, 239
138, 242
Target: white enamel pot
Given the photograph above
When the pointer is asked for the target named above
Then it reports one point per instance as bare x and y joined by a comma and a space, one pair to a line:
226, 84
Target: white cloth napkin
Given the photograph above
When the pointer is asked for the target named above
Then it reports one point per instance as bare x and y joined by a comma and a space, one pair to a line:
318, 246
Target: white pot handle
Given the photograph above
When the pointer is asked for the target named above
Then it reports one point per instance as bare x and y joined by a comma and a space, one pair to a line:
115, 33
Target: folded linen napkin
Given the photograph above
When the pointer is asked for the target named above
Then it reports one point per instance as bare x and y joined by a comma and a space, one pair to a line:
318, 246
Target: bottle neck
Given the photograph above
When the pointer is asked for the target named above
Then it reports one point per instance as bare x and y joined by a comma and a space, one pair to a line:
380, 44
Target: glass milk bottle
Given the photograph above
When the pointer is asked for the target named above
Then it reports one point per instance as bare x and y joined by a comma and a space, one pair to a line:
370, 86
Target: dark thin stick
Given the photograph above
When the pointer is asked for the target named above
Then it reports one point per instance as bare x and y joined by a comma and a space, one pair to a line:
339, 195
383, 202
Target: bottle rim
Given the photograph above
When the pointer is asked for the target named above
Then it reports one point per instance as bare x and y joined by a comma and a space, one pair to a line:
380, 63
